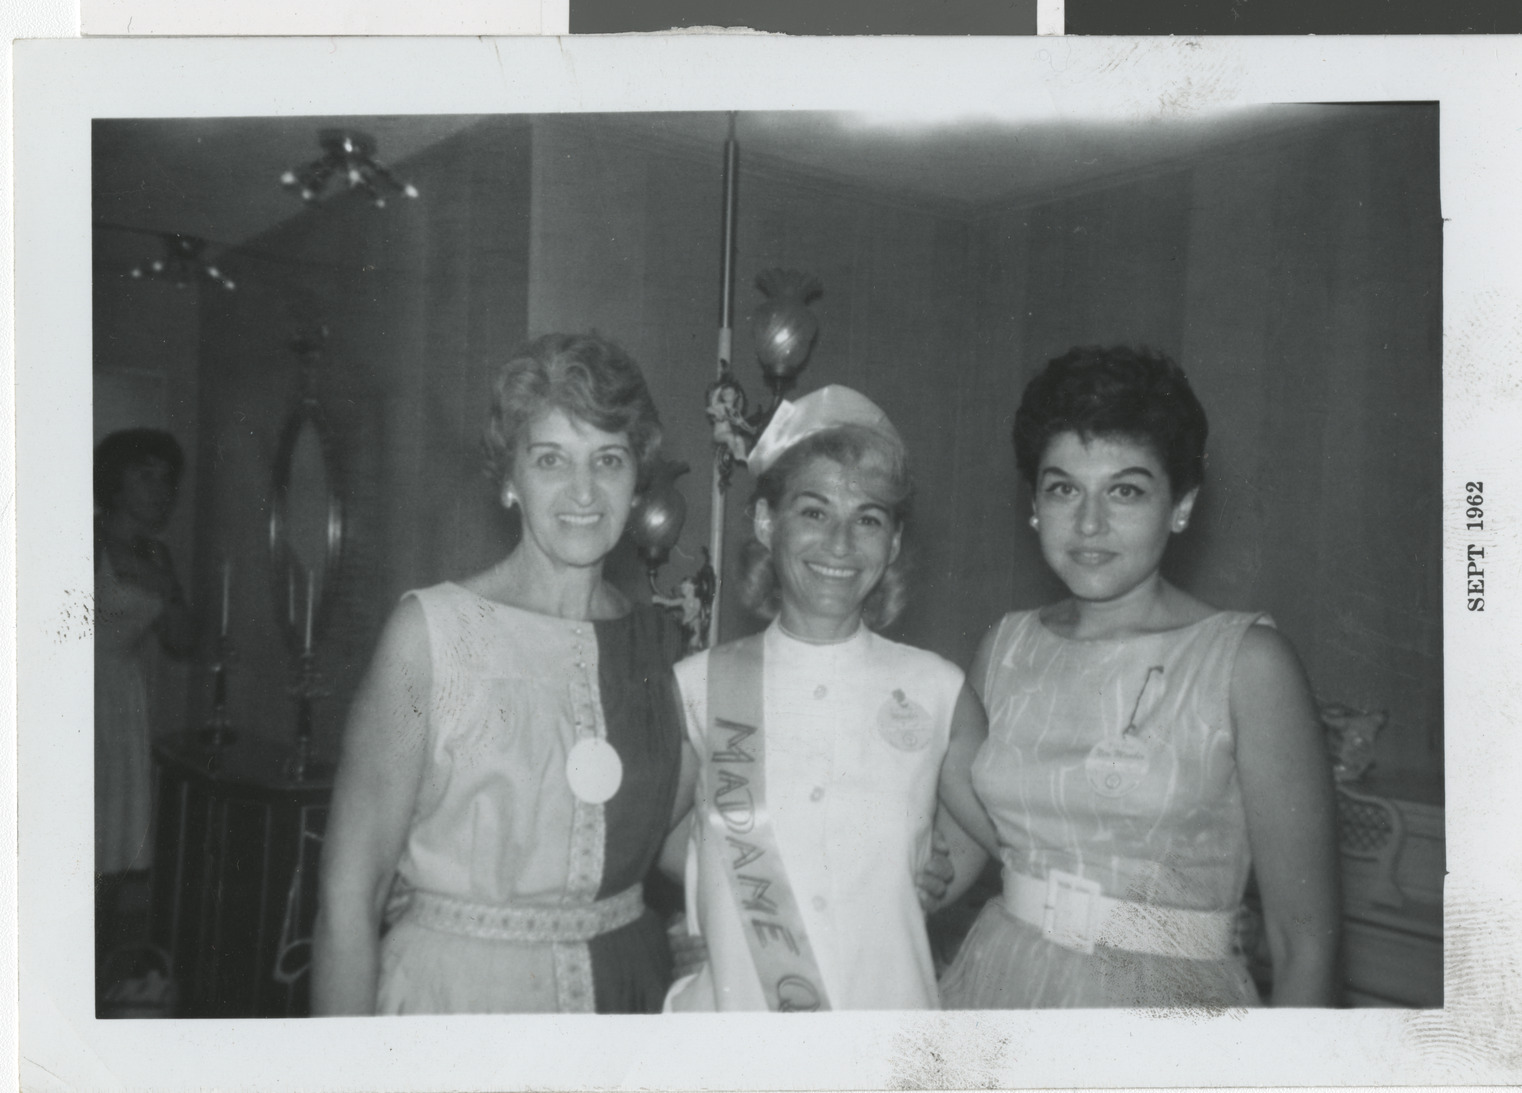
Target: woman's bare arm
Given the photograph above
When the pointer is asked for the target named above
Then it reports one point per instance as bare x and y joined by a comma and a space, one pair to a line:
969, 729
380, 766
964, 835
965, 859
673, 859
1291, 816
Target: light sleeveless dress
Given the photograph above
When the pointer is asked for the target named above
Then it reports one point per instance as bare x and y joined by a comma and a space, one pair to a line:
496, 822
124, 618
1169, 830
852, 796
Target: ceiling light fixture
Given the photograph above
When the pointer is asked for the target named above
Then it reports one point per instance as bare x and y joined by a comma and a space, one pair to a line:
182, 264
350, 155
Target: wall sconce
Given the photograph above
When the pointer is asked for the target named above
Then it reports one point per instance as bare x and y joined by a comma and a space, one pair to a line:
182, 264
350, 155
655, 525
784, 327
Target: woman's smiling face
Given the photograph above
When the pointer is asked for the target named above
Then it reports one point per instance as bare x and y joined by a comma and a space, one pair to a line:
576, 484
832, 537
1104, 511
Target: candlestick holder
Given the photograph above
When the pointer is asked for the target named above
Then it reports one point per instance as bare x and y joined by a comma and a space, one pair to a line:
301, 766
218, 732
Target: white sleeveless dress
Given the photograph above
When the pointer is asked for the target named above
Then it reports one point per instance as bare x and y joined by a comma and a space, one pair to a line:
124, 618
852, 802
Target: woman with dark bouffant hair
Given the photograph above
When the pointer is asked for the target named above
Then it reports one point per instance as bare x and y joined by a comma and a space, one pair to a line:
1145, 750
821, 744
511, 761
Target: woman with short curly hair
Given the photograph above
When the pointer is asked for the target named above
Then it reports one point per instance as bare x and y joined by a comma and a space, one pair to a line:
1145, 750
847, 445
511, 761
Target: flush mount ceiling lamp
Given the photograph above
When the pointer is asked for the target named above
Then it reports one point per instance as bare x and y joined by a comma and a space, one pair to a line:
349, 155
182, 264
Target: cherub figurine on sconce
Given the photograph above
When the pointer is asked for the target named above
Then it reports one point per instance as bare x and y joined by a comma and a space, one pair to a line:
693, 604
690, 610
655, 524
732, 434
784, 330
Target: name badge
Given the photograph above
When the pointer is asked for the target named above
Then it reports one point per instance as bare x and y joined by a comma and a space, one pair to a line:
904, 723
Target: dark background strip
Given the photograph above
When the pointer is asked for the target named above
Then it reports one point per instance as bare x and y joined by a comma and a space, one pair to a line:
809, 16
958, 17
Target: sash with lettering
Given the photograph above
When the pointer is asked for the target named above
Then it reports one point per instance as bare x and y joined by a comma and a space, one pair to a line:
737, 814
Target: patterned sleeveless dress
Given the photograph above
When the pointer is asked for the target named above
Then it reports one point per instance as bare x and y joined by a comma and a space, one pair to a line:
1153, 815
496, 823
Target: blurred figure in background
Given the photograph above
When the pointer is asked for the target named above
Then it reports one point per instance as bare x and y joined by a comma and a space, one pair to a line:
138, 604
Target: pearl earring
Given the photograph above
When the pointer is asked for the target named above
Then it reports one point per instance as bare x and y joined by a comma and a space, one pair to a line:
510, 499
1035, 521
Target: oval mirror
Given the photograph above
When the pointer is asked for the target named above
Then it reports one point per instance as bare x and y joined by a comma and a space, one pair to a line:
306, 527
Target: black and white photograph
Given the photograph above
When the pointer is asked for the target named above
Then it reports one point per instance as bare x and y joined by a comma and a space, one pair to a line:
585, 547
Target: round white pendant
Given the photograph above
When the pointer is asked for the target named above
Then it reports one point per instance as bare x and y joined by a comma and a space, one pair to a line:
594, 770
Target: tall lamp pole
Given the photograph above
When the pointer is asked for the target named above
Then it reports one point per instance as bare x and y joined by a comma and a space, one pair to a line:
726, 352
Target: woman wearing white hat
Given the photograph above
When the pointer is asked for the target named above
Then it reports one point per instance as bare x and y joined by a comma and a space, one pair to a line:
821, 743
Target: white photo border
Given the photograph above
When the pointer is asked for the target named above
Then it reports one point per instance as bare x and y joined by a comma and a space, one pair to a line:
61, 85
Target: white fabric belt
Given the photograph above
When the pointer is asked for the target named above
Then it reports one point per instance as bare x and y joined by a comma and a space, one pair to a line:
1073, 912
500, 922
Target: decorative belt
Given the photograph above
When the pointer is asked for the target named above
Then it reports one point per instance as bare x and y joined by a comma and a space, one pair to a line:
1073, 912
498, 922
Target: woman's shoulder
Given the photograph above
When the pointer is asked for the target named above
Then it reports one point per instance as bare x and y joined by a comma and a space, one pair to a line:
443, 592
1261, 648
465, 622
405, 637
1241, 627
913, 659
1011, 621
692, 671
1007, 629
437, 607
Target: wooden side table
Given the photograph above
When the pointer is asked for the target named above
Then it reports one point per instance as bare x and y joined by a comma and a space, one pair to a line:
234, 887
